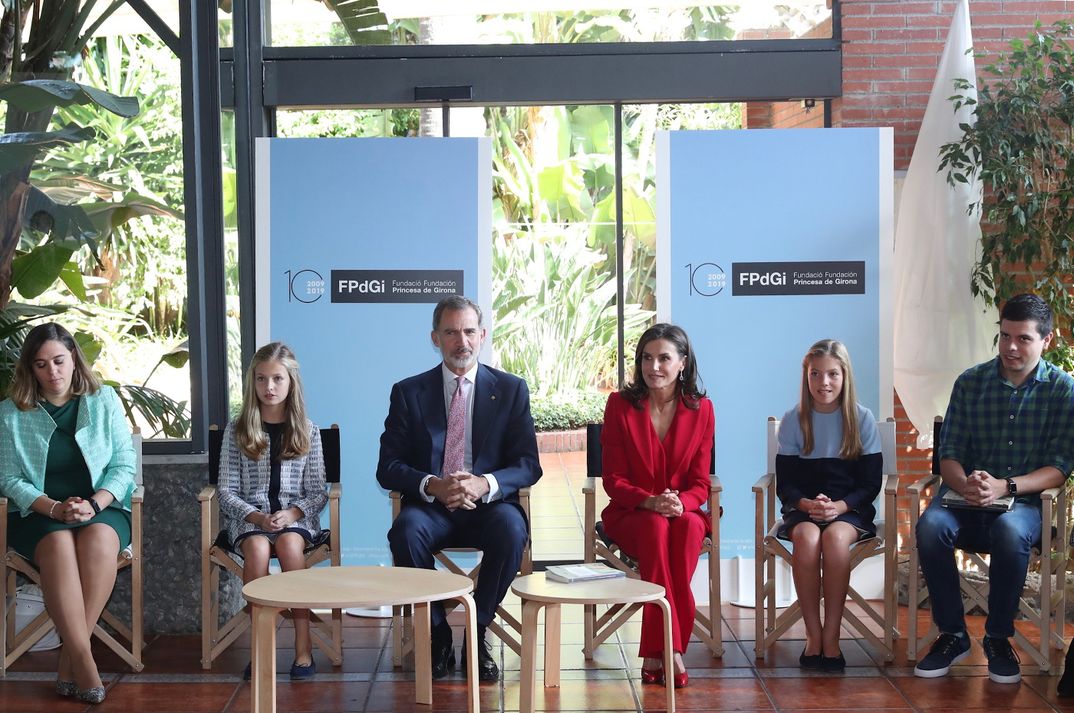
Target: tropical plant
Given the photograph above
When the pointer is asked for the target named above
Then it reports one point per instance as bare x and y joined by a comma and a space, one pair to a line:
134, 169
1021, 147
39, 236
556, 321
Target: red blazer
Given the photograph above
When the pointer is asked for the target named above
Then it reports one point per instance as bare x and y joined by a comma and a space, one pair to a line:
632, 467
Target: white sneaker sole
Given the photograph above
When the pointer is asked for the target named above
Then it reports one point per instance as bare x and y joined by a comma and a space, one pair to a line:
1013, 678
938, 672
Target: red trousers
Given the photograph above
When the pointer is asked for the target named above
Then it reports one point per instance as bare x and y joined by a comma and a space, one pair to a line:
667, 552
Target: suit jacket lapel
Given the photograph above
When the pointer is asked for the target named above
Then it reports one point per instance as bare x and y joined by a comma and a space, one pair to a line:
486, 404
434, 416
641, 432
683, 449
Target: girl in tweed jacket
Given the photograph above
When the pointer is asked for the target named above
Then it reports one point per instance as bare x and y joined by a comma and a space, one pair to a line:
271, 480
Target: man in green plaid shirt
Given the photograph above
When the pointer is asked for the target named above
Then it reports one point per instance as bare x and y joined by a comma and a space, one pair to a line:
1009, 430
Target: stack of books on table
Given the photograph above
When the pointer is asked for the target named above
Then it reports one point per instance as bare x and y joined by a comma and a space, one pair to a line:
582, 572
951, 499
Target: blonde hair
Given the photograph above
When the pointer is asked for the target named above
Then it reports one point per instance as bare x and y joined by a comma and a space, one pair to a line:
250, 434
851, 447
24, 390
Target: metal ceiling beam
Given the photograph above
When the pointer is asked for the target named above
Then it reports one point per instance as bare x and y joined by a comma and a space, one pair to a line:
760, 70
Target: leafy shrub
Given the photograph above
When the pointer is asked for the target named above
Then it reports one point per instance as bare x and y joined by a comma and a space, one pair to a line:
566, 411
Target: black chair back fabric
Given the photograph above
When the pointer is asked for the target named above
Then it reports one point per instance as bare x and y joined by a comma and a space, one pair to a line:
216, 442
593, 454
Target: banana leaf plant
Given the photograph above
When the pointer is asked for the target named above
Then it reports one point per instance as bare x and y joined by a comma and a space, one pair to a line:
40, 235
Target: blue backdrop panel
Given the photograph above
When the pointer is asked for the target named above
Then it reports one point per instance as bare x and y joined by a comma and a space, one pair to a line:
399, 222
769, 241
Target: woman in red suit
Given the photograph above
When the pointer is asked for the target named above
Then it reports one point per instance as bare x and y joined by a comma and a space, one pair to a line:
657, 449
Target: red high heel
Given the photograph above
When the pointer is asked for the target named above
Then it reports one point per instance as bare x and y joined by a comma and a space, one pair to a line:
682, 680
654, 676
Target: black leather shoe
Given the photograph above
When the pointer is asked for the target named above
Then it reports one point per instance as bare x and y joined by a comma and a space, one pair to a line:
443, 658
1065, 687
487, 670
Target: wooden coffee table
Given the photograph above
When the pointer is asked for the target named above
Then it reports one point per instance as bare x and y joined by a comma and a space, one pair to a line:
536, 592
341, 587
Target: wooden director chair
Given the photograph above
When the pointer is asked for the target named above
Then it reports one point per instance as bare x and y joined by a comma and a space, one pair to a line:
126, 641
769, 626
402, 626
1046, 610
326, 633
598, 544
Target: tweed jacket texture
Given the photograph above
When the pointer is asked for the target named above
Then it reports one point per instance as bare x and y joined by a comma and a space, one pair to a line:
243, 485
102, 434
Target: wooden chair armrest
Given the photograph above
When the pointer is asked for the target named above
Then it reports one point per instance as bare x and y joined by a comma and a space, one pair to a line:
3, 534
589, 486
891, 484
397, 502
917, 486
335, 491
1051, 493
524, 501
138, 497
763, 483
715, 509
207, 493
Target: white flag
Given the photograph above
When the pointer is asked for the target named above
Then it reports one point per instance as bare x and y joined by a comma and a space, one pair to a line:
940, 330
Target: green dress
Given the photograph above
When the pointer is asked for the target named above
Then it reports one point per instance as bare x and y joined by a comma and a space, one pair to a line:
66, 475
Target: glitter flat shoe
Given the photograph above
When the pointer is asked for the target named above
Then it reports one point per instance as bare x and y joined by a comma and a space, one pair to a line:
93, 695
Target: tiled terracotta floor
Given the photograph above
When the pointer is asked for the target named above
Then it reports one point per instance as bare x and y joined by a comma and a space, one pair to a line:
173, 680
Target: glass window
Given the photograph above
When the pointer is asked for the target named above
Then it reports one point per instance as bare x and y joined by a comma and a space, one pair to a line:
521, 22
337, 123
233, 311
640, 124
126, 290
555, 320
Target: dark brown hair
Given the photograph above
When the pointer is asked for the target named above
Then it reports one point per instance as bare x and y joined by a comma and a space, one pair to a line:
24, 391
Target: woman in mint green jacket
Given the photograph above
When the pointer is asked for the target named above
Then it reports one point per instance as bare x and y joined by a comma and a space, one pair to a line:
67, 467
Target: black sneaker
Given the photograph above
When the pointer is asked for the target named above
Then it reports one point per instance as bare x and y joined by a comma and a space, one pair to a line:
948, 649
1002, 660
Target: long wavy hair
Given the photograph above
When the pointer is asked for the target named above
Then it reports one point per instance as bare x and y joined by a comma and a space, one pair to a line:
686, 388
851, 447
250, 434
24, 390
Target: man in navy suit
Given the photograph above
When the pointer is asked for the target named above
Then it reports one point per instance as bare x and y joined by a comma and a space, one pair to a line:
459, 459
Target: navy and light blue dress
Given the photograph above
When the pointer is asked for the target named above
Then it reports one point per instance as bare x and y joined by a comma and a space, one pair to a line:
800, 475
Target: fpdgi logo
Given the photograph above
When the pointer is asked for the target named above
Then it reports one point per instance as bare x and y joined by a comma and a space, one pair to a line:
706, 279
304, 286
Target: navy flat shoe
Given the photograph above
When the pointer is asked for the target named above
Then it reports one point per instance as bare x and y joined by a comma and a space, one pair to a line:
833, 663
303, 673
811, 662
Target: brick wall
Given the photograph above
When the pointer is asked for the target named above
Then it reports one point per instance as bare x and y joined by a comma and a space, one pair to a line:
891, 51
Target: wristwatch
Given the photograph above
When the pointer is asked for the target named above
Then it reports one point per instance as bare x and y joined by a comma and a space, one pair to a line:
95, 506
1012, 487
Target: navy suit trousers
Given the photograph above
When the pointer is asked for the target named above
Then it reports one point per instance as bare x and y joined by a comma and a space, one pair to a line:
499, 529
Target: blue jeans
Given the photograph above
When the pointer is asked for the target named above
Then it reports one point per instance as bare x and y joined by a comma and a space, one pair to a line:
1007, 536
